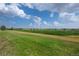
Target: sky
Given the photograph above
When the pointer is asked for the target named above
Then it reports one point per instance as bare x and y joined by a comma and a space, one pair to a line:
39, 15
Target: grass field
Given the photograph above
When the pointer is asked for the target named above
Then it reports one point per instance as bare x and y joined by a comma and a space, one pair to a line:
27, 44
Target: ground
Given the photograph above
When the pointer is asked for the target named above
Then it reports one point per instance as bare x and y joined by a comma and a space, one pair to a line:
33, 44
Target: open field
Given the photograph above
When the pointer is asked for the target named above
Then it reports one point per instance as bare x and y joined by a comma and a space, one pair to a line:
24, 43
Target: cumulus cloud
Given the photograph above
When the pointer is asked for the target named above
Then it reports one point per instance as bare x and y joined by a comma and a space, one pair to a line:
37, 19
59, 7
56, 23
69, 17
13, 10
75, 18
45, 22
42, 6
28, 5
67, 12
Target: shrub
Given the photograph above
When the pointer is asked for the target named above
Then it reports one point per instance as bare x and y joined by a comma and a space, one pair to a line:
3, 27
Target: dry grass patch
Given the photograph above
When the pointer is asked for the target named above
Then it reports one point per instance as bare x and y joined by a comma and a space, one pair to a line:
6, 48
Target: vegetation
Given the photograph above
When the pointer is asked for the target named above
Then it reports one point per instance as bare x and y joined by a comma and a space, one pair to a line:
3, 27
20, 43
62, 32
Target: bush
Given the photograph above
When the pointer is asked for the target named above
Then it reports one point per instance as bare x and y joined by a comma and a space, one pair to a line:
3, 27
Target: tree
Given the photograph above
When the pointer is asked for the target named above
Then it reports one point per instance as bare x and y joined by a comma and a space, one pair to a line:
11, 28
3, 27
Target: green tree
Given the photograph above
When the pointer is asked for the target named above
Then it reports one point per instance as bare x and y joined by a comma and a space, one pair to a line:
11, 28
3, 27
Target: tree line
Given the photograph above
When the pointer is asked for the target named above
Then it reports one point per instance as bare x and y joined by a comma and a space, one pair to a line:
3, 27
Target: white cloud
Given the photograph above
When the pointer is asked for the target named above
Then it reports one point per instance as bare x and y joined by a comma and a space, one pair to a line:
63, 14
69, 17
28, 5
3, 8
56, 23
66, 10
43, 6
58, 7
46, 23
37, 19
75, 18
13, 10
40, 6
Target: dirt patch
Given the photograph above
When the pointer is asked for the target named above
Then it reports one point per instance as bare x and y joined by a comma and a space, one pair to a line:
6, 48
74, 37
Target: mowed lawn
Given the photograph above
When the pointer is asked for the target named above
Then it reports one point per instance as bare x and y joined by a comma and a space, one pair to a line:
22, 44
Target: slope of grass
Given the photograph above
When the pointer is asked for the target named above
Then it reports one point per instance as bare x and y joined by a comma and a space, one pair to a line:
23, 44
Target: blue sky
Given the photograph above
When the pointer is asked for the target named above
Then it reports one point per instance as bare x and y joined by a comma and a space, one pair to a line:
40, 15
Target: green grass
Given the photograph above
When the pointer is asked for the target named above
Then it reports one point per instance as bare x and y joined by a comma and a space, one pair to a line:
26, 45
